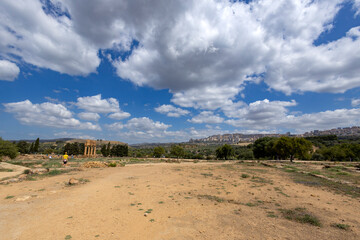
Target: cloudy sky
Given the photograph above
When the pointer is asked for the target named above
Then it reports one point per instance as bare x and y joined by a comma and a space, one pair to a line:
167, 71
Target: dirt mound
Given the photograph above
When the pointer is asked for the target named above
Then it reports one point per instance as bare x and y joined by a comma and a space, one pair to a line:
94, 164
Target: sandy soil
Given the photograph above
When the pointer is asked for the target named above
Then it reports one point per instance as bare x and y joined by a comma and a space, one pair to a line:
16, 170
181, 201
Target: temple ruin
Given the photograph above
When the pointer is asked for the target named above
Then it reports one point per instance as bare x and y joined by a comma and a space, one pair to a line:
90, 148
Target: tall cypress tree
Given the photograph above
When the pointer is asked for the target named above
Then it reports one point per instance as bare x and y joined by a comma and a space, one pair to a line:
104, 150
31, 148
36, 146
108, 150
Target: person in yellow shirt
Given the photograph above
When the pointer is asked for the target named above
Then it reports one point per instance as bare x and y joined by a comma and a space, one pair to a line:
65, 158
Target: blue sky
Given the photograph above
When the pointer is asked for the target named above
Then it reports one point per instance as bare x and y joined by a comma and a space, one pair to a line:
168, 71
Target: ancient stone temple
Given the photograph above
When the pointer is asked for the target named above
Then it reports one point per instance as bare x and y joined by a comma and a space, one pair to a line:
90, 148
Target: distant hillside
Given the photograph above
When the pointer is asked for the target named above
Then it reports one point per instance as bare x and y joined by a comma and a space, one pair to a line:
241, 138
234, 138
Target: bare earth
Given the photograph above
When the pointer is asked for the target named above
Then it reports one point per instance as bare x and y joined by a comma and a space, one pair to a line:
184, 201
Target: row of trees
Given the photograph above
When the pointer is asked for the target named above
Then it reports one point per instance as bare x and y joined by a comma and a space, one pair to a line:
282, 148
327, 148
118, 150
12, 149
25, 147
74, 148
340, 152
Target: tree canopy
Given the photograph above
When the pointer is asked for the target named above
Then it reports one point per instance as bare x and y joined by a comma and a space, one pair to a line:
225, 151
8, 149
177, 151
158, 151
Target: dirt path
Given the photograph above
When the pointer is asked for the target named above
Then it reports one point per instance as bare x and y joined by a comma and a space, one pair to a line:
183, 201
16, 170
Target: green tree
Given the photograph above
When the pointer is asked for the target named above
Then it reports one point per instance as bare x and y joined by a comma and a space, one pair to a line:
108, 149
67, 148
286, 147
104, 151
225, 151
120, 150
8, 149
81, 148
263, 147
74, 148
31, 150
177, 151
303, 148
36, 145
341, 152
23, 147
158, 152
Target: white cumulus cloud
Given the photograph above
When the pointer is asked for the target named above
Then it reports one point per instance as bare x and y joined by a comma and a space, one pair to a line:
8, 70
274, 115
355, 102
89, 116
46, 114
206, 117
171, 111
43, 39
119, 115
98, 105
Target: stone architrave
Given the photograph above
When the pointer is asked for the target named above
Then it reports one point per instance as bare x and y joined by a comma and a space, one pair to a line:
90, 148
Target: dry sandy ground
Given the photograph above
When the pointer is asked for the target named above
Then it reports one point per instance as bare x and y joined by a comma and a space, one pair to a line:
113, 203
16, 170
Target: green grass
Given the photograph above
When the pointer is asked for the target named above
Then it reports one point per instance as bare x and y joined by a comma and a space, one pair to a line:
278, 190
9, 197
249, 204
260, 180
207, 174
56, 172
244, 175
271, 215
343, 173
212, 198
300, 215
152, 220
112, 164
6, 170
149, 210
68, 237
161, 202
337, 187
52, 164
288, 168
83, 180
341, 226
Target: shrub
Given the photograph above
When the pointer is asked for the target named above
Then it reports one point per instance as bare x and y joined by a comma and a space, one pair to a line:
8, 149
112, 164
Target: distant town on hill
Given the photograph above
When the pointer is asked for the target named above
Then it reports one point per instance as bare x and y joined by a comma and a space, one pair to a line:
239, 137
